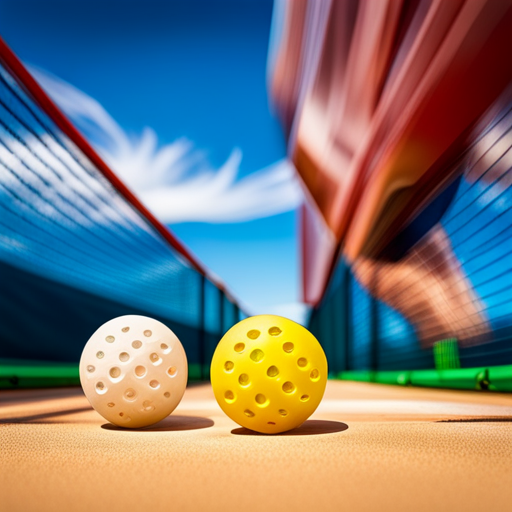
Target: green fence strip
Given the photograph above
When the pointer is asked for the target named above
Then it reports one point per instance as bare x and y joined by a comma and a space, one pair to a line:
37, 374
358, 376
500, 378
400, 378
34, 374
194, 372
466, 378
494, 378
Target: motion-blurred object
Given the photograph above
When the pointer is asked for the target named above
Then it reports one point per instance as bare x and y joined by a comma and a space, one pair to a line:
398, 122
429, 287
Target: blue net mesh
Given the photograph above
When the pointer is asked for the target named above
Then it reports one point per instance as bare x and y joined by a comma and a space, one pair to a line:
398, 347
74, 252
361, 314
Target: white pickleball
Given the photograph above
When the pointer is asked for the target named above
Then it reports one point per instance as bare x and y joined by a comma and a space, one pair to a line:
133, 371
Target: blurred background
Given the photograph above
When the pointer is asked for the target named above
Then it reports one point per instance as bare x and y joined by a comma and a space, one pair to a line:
181, 113
343, 163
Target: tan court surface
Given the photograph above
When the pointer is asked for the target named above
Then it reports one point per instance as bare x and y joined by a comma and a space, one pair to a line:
368, 447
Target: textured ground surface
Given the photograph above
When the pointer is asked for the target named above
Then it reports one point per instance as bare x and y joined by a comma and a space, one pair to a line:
368, 447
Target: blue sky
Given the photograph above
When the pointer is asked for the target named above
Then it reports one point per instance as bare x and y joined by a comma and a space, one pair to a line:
194, 72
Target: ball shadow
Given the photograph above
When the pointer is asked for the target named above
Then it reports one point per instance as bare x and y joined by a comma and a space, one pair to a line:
169, 424
308, 428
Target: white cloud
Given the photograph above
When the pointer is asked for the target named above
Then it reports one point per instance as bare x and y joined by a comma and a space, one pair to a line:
176, 181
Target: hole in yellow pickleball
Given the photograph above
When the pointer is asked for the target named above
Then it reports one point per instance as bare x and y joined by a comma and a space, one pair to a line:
261, 399
288, 387
273, 371
274, 331
257, 355
244, 379
239, 347
288, 347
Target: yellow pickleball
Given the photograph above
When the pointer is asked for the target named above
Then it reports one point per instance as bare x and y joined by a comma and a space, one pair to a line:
269, 374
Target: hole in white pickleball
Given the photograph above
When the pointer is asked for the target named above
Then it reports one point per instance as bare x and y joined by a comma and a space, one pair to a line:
130, 394
155, 359
115, 372
101, 389
148, 406
140, 371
